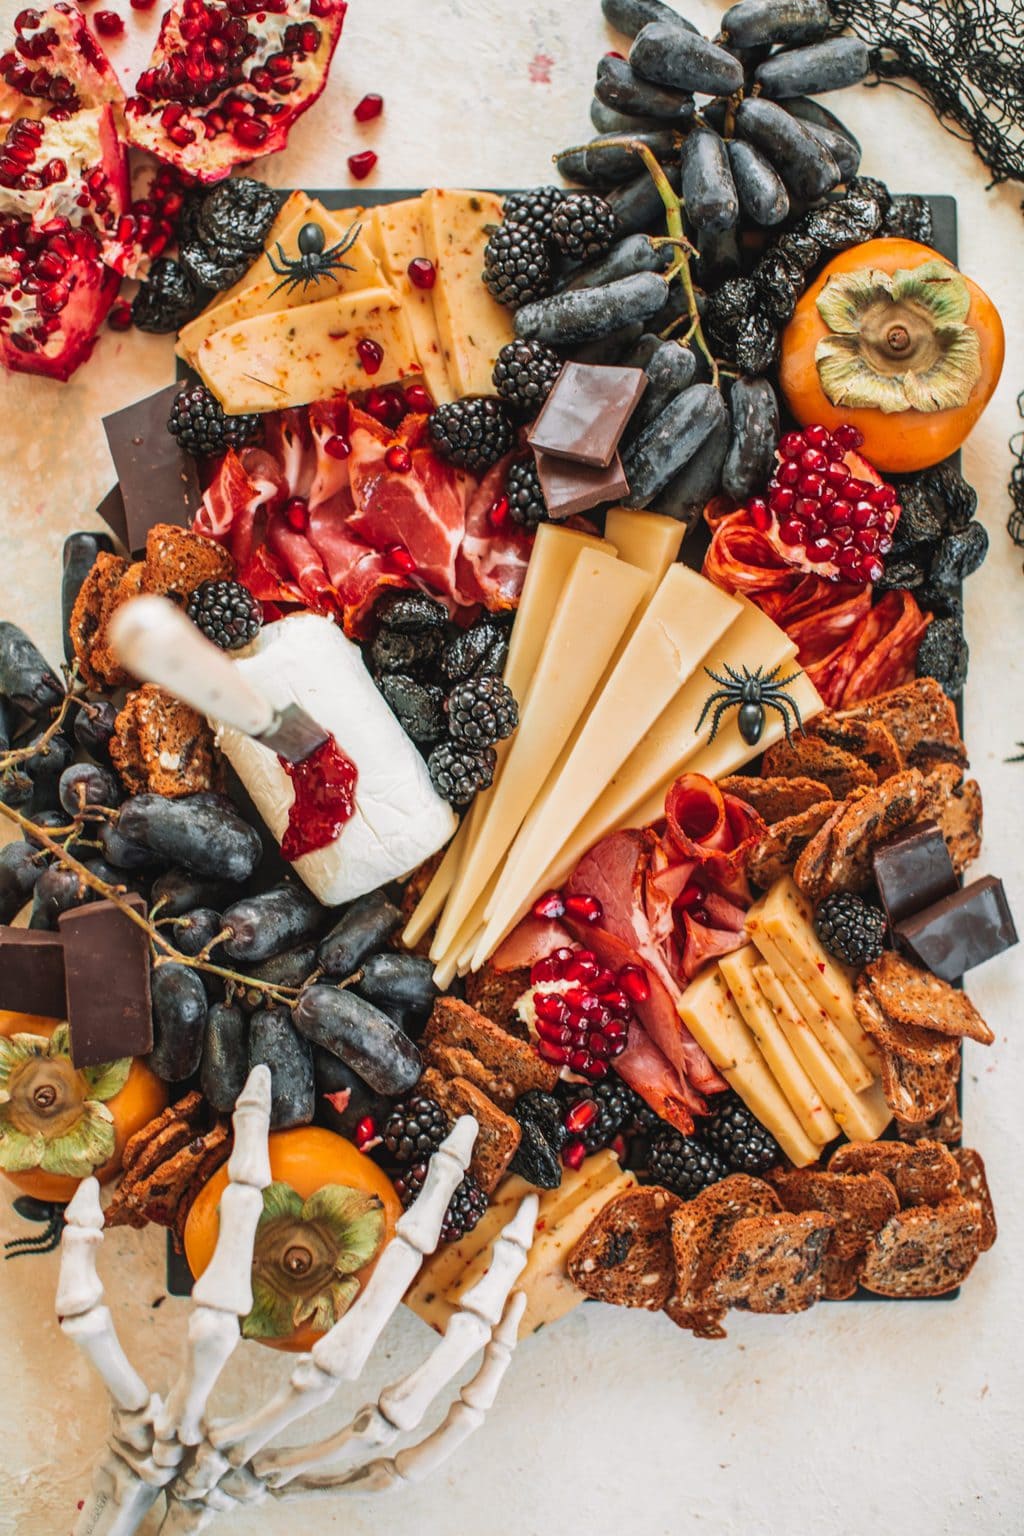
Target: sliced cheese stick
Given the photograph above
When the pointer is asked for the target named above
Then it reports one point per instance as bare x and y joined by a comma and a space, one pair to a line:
862, 1116
431, 903
715, 1022
804, 1098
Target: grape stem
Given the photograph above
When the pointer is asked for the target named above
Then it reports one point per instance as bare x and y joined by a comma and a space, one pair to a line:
680, 266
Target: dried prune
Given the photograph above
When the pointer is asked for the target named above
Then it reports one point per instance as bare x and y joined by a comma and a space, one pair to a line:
419, 706
944, 654
960, 554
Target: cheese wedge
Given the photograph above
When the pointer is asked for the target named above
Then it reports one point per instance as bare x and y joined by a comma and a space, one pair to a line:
646, 539
442, 1272
685, 616
807, 1104
549, 1291
715, 1022
788, 918
260, 292
398, 233
472, 326
299, 355
596, 605
862, 1116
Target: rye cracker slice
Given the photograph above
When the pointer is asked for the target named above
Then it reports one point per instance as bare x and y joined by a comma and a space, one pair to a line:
840, 1277
859, 1204
778, 798
960, 819
911, 1041
922, 720
864, 823
972, 1182
810, 757
812, 862
87, 616
625, 1255
870, 740
912, 995
923, 1173
464, 1043
498, 1135
495, 993
703, 1324
178, 560
772, 1263
776, 855
918, 1093
946, 1126
699, 1229
924, 1251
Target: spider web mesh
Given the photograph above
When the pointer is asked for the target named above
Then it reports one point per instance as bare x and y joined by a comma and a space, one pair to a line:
966, 59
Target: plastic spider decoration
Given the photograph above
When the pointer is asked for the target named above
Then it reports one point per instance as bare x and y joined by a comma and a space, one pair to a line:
752, 694
51, 1217
313, 261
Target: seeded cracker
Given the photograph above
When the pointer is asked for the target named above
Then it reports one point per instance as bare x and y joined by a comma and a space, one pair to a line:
921, 719
921, 1174
869, 740
918, 1093
859, 1204
913, 996
972, 1183
924, 1252
625, 1255
923, 1047
776, 799
772, 1263
810, 757
776, 855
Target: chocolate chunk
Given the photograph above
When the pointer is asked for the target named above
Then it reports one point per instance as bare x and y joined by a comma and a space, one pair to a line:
32, 972
913, 869
962, 930
571, 488
586, 413
159, 481
111, 509
106, 960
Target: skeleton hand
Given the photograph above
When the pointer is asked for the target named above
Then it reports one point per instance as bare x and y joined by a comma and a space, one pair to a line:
166, 1446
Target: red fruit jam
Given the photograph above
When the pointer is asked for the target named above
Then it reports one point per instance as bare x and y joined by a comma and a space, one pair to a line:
325, 799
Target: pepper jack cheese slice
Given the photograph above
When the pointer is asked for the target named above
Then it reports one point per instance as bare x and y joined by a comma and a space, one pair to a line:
254, 294
599, 599
862, 1116
295, 356
715, 1022
398, 233
472, 326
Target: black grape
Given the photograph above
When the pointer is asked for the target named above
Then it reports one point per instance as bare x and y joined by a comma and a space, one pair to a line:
588, 313
195, 930
844, 152
806, 166
709, 192
637, 204
670, 441
669, 369
225, 1060
665, 54
398, 980
94, 726
19, 873
629, 16
635, 253
264, 925
618, 86
688, 492
755, 432
274, 1043
606, 120
762, 191
364, 1037
607, 161
26, 677
365, 925
122, 853
84, 786
204, 832
356, 1100
828, 66
179, 1021
79, 557
57, 890
16, 788
751, 23
179, 891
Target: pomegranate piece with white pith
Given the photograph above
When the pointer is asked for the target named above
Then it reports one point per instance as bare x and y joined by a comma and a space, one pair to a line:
226, 81
826, 509
54, 62
579, 1011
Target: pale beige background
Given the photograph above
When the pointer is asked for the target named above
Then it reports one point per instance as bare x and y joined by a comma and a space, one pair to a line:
849, 1420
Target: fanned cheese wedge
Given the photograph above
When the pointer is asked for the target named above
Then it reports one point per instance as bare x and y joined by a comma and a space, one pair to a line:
397, 232
472, 326
645, 539
862, 1116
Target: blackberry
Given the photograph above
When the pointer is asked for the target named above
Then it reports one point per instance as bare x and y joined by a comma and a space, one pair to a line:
410, 612
525, 497
583, 226
226, 612
517, 267
684, 1164
465, 1209
849, 929
167, 300
419, 706
944, 654
620, 1111
538, 1158
479, 651
525, 372
482, 711
472, 433
236, 216
457, 771
201, 426
415, 1129
213, 269
534, 208
739, 1138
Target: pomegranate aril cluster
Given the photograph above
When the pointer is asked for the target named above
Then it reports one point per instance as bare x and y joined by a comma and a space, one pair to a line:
582, 1021
825, 511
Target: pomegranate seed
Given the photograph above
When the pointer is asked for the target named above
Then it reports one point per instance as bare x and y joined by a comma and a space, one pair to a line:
862, 517
586, 909
249, 132
399, 459
836, 475
842, 533
871, 568
550, 905
142, 5
371, 354
181, 135
553, 1053
581, 1115
884, 543
848, 561
370, 107
417, 398
782, 500
599, 1046
848, 436
120, 316
366, 1130
792, 445
401, 558
584, 968
574, 1153
385, 406
497, 512
554, 1034
296, 512
788, 473
810, 485
108, 23
759, 514
552, 967
635, 983
337, 448
850, 491
820, 550
422, 273
813, 459
616, 1029
833, 451
816, 436
883, 496
805, 506
581, 1061
616, 1001
362, 164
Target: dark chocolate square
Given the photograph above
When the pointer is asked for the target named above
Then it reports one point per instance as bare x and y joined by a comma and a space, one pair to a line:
32, 972
586, 413
159, 482
571, 488
111, 509
912, 869
106, 965
962, 930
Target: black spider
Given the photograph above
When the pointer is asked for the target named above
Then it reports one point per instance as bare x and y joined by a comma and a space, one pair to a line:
46, 1241
754, 694
312, 262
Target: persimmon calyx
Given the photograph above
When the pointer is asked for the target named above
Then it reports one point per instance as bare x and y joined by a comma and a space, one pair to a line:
54, 1116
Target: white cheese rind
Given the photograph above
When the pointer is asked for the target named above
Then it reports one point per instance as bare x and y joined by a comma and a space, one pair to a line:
399, 819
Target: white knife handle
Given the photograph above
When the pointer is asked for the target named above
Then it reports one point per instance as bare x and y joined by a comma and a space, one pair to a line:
155, 641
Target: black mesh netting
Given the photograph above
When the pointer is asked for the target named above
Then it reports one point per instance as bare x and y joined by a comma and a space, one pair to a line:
966, 59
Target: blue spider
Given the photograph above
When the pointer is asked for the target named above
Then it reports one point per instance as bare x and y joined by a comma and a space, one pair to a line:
313, 261
754, 694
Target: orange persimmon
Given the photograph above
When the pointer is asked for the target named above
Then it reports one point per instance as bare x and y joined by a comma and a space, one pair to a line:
942, 349
307, 1160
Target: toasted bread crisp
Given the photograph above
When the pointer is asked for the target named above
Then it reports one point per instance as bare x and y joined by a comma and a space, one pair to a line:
92, 605
496, 993
840, 1277
703, 1323
463, 1043
972, 1182
164, 1164
912, 995
911, 1041
918, 1093
921, 719
776, 799
921, 1174
946, 1126
811, 757
625, 1255
869, 740
841, 861
772, 1263
178, 561
162, 745
776, 855
960, 818
498, 1135
700, 1227
924, 1251
859, 1204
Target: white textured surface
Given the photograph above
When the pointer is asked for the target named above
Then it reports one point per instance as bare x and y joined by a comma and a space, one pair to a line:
851, 1419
